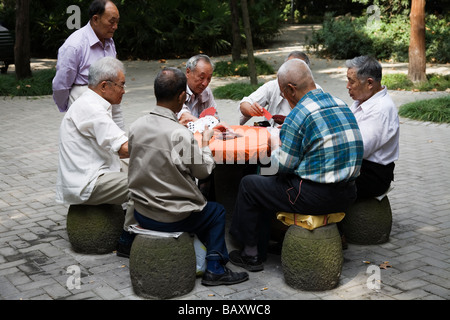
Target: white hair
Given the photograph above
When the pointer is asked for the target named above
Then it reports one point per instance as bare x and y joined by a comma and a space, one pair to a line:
106, 68
192, 62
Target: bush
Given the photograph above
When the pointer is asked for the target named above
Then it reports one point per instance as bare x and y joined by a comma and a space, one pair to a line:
347, 37
240, 68
235, 91
400, 81
149, 29
434, 110
39, 84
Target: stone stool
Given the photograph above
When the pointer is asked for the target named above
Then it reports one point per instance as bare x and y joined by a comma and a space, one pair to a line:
162, 267
312, 260
94, 229
368, 221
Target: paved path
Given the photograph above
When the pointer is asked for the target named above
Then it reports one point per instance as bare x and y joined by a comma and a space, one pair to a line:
35, 253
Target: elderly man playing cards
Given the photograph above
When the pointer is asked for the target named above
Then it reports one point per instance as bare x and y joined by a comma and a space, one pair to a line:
199, 97
165, 158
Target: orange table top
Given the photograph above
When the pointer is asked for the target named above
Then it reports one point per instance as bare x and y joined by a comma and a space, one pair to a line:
251, 146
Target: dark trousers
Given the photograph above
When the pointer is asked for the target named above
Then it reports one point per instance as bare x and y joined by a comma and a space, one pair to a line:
261, 197
374, 179
208, 225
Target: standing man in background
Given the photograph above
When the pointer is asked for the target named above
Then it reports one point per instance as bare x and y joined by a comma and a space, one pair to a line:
81, 49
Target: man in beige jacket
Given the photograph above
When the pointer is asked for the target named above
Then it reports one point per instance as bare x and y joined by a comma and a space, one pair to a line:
165, 159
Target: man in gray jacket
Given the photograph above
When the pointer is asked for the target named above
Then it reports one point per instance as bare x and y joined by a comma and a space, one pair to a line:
165, 159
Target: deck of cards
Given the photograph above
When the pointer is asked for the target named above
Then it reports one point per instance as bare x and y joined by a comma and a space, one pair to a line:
199, 125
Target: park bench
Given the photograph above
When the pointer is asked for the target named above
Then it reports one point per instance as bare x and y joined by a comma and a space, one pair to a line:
6, 49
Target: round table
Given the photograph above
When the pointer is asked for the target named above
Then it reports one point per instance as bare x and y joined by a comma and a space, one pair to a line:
250, 146
236, 158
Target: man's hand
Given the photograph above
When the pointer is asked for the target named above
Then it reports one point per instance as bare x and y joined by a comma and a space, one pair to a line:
207, 134
186, 117
251, 110
123, 151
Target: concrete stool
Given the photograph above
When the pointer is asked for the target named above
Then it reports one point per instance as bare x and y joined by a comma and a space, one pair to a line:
162, 267
312, 260
368, 221
95, 229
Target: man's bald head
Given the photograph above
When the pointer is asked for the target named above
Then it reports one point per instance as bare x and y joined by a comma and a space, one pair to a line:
295, 80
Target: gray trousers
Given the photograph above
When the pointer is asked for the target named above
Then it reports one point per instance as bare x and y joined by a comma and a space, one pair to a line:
112, 188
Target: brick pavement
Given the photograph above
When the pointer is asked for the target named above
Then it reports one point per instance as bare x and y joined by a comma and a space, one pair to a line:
35, 253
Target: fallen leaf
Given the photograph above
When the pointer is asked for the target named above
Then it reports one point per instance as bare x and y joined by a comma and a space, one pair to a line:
385, 265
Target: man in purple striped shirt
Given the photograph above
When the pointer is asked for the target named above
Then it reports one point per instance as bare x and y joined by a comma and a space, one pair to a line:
81, 49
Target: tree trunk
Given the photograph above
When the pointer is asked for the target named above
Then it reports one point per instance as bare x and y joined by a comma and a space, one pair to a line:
236, 31
249, 43
417, 54
22, 46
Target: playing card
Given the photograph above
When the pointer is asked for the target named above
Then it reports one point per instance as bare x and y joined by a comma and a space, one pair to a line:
208, 112
267, 114
199, 125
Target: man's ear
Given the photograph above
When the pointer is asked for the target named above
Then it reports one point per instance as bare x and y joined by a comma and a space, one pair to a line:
182, 97
95, 18
370, 82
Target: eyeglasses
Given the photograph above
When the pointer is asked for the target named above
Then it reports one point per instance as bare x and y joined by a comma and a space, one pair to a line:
123, 86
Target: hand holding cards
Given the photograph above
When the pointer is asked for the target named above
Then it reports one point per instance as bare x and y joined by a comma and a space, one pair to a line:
199, 125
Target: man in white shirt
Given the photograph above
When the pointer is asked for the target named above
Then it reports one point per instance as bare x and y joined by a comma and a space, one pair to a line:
378, 121
199, 96
268, 96
91, 144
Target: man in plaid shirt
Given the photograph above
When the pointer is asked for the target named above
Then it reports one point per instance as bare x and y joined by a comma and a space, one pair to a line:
318, 160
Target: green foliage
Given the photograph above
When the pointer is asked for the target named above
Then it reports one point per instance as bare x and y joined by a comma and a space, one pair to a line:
39, 84
341, 38
397, 81
346, 37
149, 29
235, 91
172, 28
437, 37
434, 110
240, 68
400, 81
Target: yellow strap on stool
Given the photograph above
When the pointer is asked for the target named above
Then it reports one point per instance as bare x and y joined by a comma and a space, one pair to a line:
307, 221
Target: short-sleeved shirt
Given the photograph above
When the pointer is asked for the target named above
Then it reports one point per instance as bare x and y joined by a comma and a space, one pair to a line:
195, 104
321, 141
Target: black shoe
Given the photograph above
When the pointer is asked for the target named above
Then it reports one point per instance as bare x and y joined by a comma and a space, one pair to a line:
344, 243
247, 262
123, 250
275, 248
124, 244
226, 278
